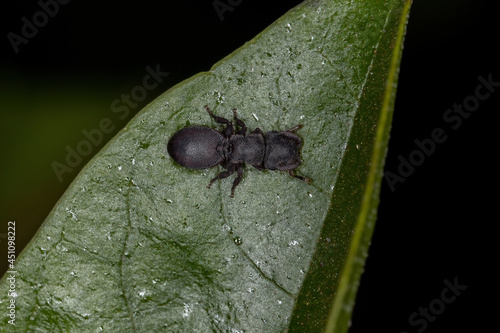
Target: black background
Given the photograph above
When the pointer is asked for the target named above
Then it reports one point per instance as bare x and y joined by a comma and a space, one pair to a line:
437, 225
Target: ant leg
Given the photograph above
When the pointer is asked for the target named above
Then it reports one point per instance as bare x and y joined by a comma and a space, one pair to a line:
240, 123
295, 128
221, 175
219, 120
239, 170
228, 131
304, 179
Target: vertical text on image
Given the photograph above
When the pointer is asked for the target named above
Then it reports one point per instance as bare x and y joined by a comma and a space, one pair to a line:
11, 272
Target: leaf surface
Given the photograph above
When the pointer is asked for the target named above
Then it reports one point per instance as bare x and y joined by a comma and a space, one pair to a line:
138, 243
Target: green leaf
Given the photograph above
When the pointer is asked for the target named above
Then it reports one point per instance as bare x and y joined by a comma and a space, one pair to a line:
138, 243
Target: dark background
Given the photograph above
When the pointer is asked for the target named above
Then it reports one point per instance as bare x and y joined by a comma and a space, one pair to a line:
436, 225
